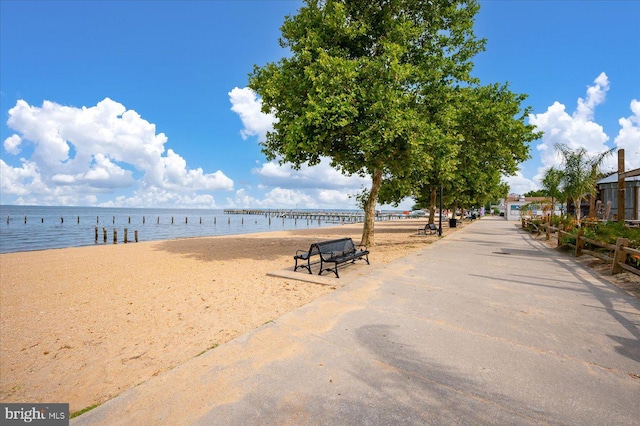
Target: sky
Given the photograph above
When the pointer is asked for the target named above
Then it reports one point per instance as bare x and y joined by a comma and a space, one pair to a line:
146, 104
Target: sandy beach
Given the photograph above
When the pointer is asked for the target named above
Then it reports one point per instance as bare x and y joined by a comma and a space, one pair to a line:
81, 325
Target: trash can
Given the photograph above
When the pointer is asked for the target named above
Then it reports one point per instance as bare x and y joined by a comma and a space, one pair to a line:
453, 223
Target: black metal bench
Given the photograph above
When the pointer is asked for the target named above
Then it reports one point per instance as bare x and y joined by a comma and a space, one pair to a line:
429, 228
332, 251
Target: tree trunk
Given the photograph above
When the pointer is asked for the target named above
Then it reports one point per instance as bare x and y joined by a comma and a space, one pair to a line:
432, 206
370, 210
592, 206
577, 203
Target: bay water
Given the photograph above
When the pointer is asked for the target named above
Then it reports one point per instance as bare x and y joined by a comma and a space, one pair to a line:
26, 228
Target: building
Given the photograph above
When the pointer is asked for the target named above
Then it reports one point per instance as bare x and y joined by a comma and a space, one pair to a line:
608, 189
539, 206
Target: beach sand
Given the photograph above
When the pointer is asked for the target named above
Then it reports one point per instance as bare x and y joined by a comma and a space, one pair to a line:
81, 325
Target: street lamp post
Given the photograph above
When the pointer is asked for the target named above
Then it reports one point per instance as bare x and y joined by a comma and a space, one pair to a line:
440, 216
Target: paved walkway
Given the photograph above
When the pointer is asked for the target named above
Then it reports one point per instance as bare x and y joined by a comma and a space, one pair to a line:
483, 327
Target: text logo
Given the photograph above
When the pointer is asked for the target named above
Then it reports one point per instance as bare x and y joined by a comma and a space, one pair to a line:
40, 414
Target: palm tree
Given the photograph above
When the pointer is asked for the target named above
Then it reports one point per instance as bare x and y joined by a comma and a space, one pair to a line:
580, 172
552, 186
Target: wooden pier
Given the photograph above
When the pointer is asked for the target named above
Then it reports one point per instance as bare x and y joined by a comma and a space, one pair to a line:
327, 216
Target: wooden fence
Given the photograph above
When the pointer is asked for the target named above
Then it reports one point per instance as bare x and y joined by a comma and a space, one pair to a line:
616, 254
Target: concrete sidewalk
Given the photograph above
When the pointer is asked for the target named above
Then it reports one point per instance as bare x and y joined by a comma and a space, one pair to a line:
486, 326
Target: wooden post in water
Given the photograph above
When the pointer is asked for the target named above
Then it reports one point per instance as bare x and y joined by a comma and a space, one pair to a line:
158, 220
25, 218
114, 220
126, 232
7, 219
186, 220
78, 219
135, 235
104, 232
129, 219
97, 219
96, 235
172, 220
143, 219
214, 220
115, 236
61, 219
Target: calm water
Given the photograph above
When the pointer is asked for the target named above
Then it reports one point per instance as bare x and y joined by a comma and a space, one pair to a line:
58, 227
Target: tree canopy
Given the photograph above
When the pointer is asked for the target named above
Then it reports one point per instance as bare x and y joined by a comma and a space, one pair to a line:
384, 89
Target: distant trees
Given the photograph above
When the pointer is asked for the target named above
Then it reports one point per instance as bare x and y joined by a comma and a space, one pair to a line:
552, 186
384, 89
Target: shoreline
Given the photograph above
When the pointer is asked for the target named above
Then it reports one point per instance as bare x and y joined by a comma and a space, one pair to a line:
46, 227
81, 325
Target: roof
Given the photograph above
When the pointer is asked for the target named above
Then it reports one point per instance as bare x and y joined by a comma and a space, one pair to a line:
614, 179
527, 199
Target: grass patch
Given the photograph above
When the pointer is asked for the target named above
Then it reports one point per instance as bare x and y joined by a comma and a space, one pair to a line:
215, 345
84, 410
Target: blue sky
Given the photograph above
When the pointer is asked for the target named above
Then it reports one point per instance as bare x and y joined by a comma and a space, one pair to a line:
144, 104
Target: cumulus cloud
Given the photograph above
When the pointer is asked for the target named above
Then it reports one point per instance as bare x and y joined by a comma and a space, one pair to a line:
629, 137
246, 104
12, 144
320, 186
294, 198
321, 176
519, 184
98, 149
573, 130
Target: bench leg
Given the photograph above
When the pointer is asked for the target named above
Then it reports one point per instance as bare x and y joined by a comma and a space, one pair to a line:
334, 269
307, 266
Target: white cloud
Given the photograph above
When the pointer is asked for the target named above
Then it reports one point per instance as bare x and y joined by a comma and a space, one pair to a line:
246, 104
519, 184
629, 137
99, 149
12, 144
595, 96
320, 176
575, 131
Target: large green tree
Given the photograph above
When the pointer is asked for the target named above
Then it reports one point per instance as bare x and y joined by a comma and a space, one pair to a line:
493, 140
485, 138
356, 83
